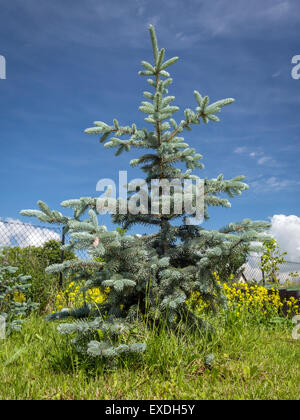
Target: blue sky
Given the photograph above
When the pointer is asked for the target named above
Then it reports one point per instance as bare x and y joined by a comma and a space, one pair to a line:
71, 63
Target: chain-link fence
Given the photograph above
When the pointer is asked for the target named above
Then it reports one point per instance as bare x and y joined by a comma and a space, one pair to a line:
288, 271
14, 233
30, 245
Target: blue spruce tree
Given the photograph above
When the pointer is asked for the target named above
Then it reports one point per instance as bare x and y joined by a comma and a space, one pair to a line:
14, 303
151, 276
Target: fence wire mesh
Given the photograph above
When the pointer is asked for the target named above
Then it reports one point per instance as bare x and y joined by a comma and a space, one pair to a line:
14, 233
288, 271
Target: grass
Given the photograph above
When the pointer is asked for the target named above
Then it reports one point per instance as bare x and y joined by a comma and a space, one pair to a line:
252, 361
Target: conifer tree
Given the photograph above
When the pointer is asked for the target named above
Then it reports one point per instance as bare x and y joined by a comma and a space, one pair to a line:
151, 275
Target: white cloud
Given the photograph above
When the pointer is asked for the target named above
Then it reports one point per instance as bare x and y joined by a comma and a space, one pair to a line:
263, 160
272, 184
277, 12
56, 22
13, 232
240, 150
246, 150
276, 74
223, 18
286, 231
267, 160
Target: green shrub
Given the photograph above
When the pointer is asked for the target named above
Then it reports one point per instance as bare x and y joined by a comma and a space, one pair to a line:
14, 301
33, 261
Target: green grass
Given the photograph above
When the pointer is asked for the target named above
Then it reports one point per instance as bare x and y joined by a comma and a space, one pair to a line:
253, 361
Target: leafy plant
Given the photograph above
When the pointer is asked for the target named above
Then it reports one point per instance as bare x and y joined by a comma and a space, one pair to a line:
270, 261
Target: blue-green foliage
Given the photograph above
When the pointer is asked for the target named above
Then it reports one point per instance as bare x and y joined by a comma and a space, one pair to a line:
150, 276
13, 290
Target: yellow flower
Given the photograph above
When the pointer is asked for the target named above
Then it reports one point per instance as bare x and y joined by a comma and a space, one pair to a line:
19, 297
73, 297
